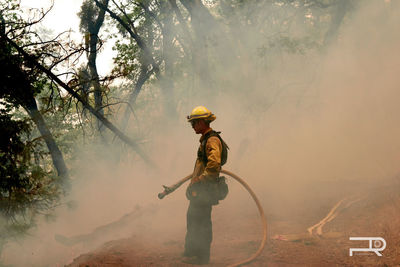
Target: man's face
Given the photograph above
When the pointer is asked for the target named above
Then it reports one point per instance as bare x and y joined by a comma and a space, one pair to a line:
199, 126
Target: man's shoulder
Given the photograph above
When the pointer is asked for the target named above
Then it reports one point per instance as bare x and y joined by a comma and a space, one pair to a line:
214, 139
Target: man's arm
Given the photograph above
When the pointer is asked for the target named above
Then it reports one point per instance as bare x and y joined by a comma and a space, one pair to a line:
213, 152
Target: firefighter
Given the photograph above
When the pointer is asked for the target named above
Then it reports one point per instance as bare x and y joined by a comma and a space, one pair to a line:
202, 191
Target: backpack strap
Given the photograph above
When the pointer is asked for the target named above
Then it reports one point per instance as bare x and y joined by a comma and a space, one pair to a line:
201, 153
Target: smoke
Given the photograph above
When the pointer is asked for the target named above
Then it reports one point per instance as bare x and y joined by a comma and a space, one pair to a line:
304, 131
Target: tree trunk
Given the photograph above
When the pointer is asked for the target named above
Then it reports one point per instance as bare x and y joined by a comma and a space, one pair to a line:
201, 21
337, 19
94, 40
94, 77
56, 155
143, 76
85, 104
148, 56
168, 53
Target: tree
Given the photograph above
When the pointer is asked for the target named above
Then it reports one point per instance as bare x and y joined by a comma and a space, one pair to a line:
148, 44
27, 188
21, 83
92, 19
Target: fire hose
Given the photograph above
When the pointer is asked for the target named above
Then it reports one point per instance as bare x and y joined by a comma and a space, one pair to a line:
172, 188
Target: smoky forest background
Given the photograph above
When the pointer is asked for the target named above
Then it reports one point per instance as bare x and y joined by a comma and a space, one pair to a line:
260, 66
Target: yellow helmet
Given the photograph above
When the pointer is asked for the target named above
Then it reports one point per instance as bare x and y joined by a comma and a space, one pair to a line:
201, 112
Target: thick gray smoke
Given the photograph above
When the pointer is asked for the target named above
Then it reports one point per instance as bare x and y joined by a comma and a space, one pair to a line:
304, 132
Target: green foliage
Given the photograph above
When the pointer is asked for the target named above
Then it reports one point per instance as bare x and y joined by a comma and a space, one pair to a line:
290, 45
88, 15
246, 35
24, 187
127, 59
28, 185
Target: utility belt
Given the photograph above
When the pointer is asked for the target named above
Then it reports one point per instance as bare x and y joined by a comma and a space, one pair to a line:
208, 192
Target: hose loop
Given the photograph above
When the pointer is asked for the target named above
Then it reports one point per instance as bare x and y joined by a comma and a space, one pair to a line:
170, 189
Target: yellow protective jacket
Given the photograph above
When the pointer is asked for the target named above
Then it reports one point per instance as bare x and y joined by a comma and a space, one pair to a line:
209, 171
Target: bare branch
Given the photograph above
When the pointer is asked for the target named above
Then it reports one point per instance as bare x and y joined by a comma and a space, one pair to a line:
104, 120
136, 37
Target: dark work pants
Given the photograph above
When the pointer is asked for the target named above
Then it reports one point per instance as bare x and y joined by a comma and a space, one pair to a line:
199, 230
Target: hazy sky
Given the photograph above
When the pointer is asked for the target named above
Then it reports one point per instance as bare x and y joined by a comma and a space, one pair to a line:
63, 17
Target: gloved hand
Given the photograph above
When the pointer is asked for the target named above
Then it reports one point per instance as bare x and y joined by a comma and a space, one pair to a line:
191, 193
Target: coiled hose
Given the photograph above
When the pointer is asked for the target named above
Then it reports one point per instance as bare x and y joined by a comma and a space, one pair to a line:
170, 189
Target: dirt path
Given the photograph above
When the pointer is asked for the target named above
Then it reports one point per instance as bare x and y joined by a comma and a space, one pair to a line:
376, 215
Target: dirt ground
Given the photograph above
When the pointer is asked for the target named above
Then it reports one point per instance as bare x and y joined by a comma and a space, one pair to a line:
377, 214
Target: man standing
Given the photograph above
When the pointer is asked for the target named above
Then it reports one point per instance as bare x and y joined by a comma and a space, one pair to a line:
203, 189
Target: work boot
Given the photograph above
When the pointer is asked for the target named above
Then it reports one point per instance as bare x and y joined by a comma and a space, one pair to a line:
195, 260
187, 254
